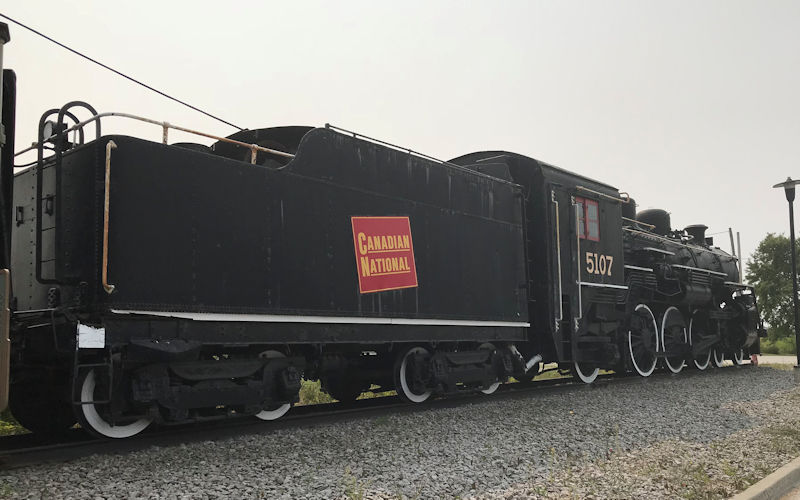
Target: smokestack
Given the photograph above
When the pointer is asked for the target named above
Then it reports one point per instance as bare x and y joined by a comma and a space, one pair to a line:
698, 232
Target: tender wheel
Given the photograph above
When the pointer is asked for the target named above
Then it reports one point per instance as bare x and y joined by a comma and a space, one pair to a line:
94, 417
42, 406
673, 338
697, 329
407, 388
643, 340
489, 390
738, 357
719, 357
278, 411
585, 373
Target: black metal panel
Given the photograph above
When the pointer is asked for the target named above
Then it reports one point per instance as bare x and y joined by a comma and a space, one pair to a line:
196, 232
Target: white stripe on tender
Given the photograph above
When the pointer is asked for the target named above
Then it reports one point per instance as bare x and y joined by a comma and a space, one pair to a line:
285, 318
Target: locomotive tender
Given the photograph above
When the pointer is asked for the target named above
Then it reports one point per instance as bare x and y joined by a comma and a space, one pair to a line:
147, 282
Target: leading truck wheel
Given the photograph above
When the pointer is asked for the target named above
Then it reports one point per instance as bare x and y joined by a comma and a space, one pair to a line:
94, 416
275, 412
407, 388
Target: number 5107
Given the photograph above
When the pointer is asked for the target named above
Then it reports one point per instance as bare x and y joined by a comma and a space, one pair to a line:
599, 264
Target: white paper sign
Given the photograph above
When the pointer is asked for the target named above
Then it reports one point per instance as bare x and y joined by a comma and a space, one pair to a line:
90, 337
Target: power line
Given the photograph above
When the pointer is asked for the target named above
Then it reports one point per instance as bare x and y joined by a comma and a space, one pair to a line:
119, 72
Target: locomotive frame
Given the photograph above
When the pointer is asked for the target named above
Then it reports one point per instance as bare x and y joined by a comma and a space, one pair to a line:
173, 283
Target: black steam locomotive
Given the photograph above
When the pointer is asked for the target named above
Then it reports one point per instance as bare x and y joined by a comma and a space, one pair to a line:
149, 282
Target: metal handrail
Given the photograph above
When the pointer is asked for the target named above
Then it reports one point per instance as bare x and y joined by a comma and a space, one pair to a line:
254, 148
578, 267
651, 226
622, 199
417, 153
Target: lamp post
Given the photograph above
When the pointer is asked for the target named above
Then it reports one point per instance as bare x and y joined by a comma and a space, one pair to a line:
788, 188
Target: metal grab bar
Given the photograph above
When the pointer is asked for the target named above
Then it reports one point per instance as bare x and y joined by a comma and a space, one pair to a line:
621, 199
106, 216
558, 261
578, 267
254, 148
651, 226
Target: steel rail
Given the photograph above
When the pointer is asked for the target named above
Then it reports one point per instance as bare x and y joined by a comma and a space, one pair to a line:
26, 450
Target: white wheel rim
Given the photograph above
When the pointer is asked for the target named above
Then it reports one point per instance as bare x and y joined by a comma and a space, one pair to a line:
704, 365
639, 370
414, 398
282, 409
719, 358
96, 422
494, 386
664, 343
738, 357
587, 379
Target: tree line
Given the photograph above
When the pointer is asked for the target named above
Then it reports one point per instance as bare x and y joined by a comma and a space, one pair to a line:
769, 271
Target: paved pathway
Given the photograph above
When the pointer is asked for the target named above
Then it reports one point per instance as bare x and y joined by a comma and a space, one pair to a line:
777, 360
792, 495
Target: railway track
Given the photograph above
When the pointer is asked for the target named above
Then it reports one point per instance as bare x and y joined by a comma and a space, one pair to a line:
28, 449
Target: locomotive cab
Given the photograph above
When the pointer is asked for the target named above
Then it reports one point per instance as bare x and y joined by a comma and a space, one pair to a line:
575, 261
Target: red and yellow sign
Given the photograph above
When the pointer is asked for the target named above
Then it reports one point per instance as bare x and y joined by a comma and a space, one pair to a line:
384, 253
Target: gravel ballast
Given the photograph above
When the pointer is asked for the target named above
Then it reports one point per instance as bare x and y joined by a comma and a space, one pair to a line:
695, 435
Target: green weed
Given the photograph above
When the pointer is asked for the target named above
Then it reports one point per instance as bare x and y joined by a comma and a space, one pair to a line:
353, 488
9, 426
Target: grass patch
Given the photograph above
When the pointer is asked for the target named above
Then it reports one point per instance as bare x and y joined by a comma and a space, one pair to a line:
9, 426
311, 393
785, 438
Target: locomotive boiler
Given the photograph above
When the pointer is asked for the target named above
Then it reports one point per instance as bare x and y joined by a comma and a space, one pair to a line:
165, 283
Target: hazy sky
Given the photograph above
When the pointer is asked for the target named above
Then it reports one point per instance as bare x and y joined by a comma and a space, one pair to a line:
688, 106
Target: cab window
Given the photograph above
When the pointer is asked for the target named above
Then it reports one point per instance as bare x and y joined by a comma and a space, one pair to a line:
588, 219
